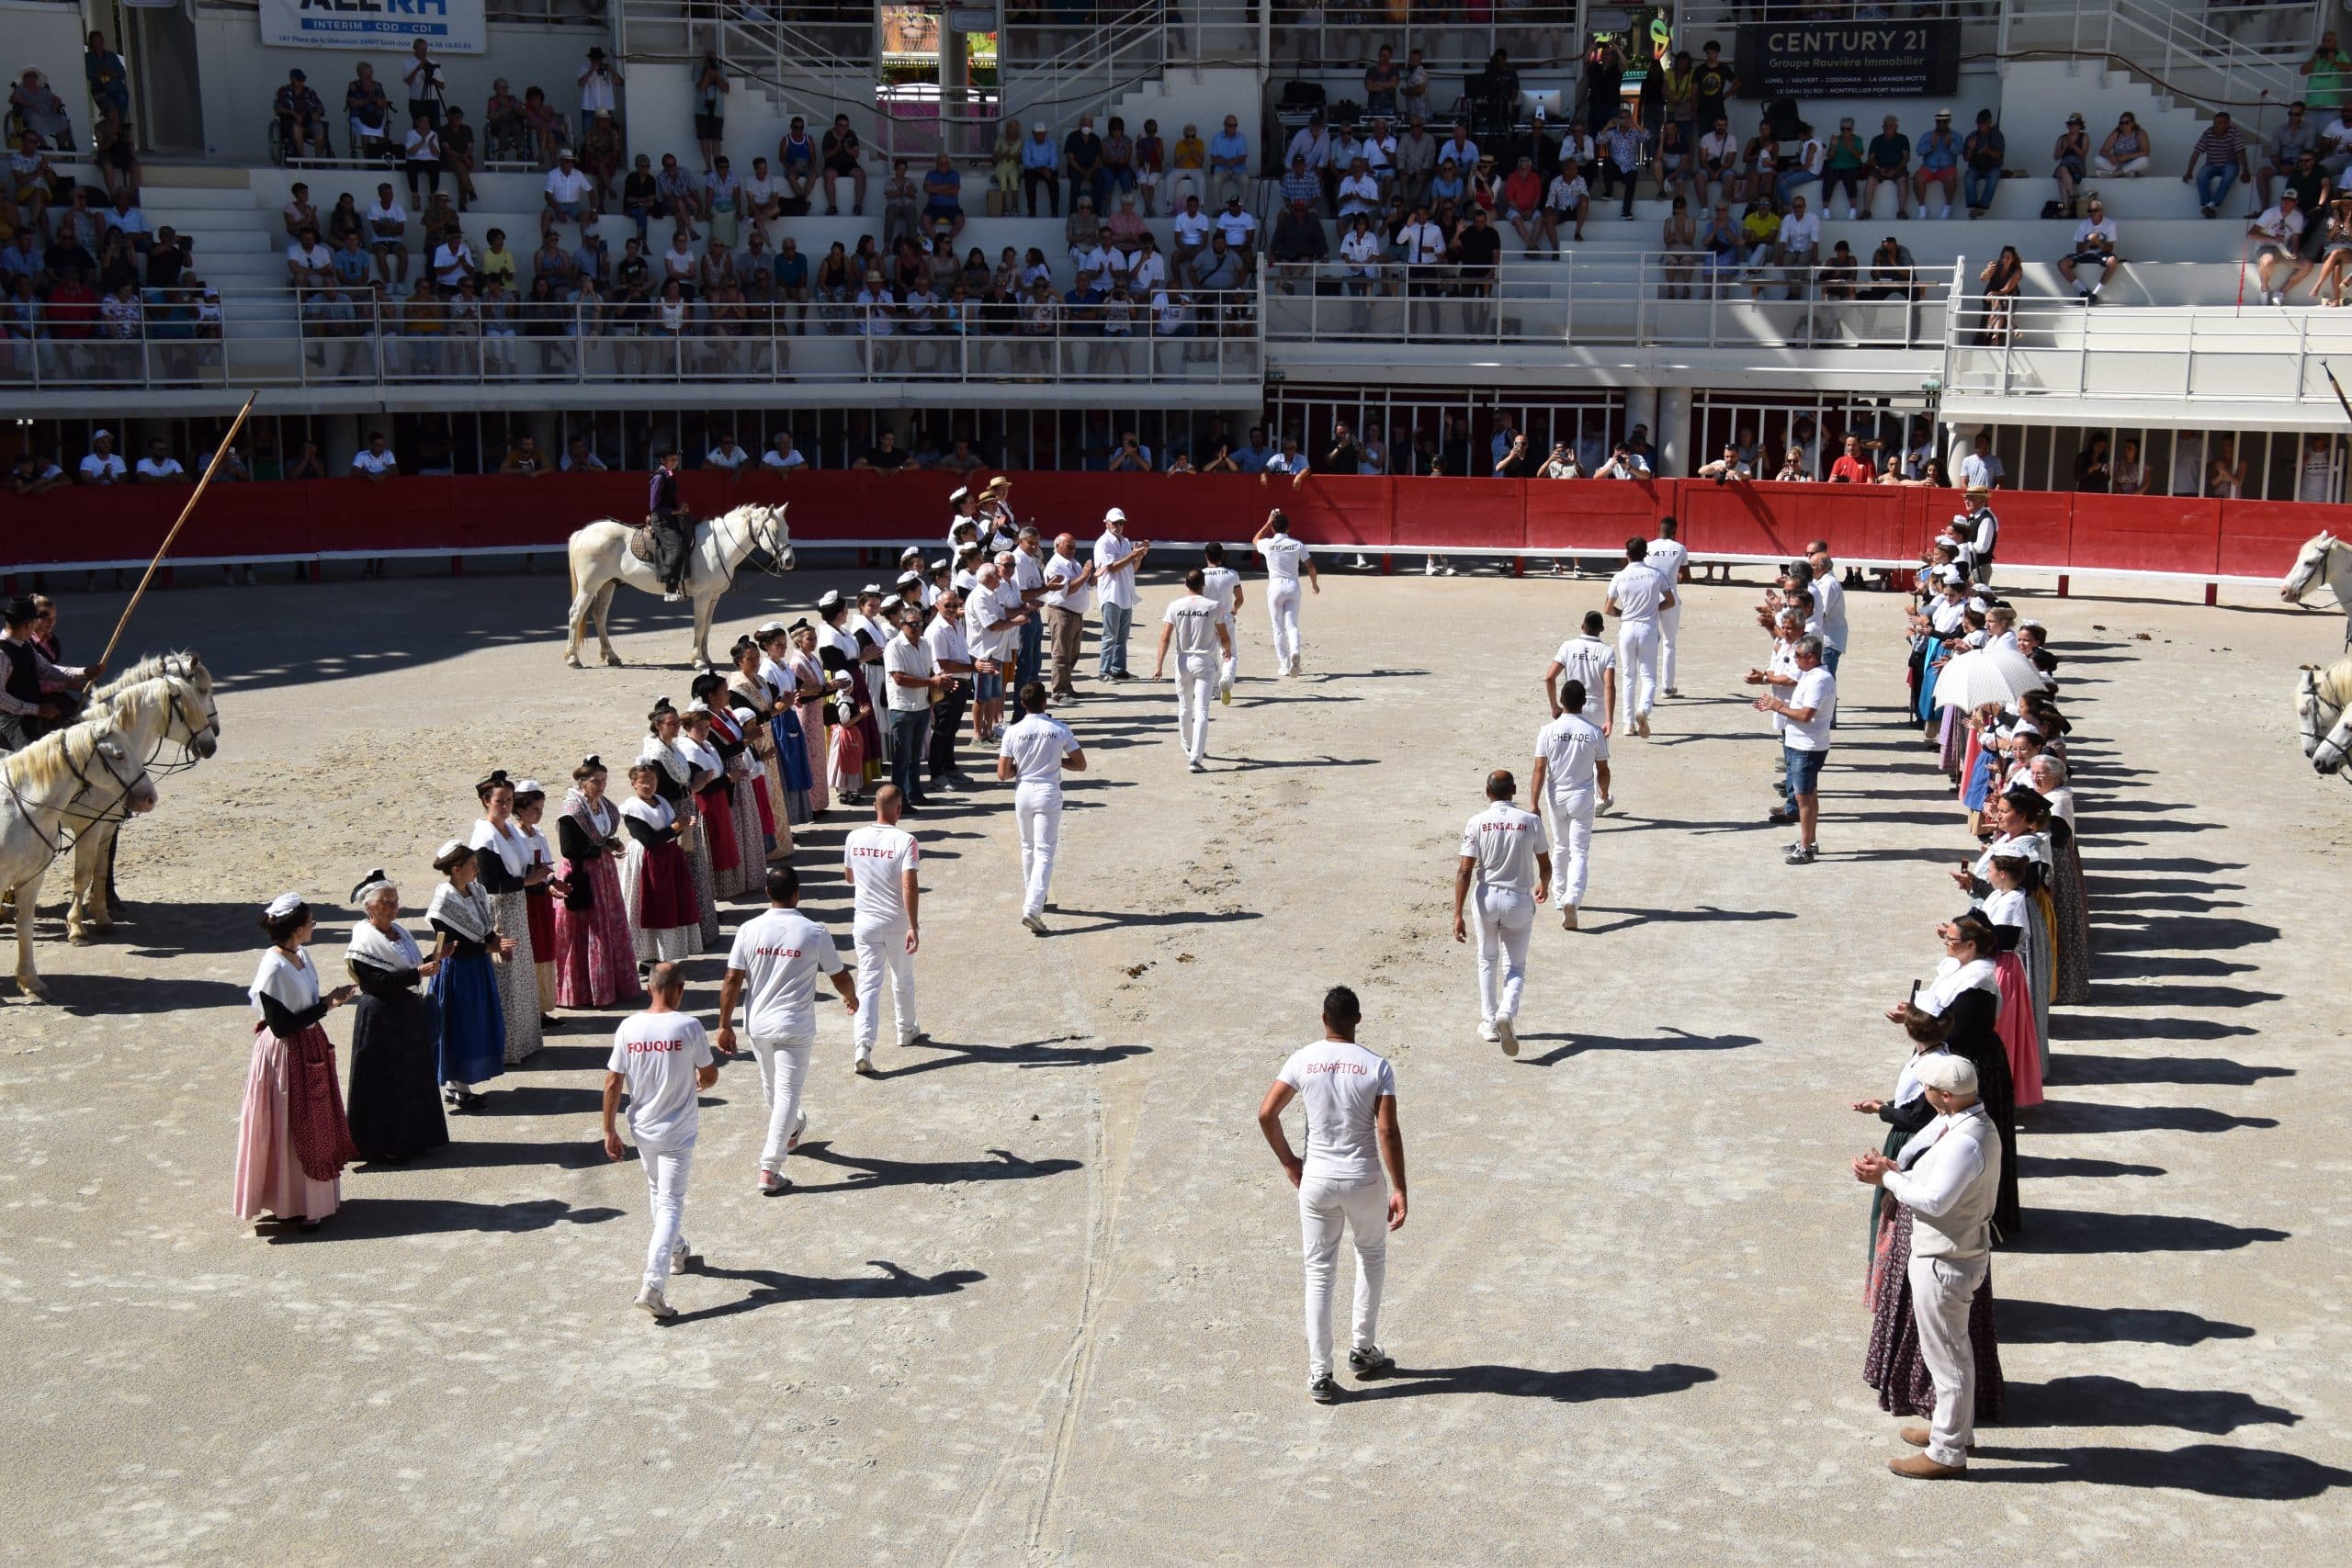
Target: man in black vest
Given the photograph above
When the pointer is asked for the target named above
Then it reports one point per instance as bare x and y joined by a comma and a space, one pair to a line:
26, 715
673, 528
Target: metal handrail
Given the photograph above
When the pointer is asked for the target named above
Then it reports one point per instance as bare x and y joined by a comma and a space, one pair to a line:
327, 339
2169, 45
2045, 349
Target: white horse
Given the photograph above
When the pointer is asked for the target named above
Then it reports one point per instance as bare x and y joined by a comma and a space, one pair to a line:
2323, 559
2324, 706
86, 908
601, 560
63, 782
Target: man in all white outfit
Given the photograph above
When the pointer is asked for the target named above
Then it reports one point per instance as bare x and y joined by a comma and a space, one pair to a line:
1636, 594
1203, 643
1506, 866
662, 1058
777, 956
1571, 764
1351, 1097
1115, 563
1034, 751
1666, 556
1222, 583
1284, 556
1592, 665
879, 859
1949, 1176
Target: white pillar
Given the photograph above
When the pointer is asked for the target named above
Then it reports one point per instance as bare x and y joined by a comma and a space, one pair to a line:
1672, 432
1641, 408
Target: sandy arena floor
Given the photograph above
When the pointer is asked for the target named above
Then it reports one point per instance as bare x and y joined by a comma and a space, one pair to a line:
1037, 1296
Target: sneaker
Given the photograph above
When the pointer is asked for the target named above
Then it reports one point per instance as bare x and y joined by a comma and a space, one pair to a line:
864, 1066
651, 1300
799, 1126
1510, 1037
671, 596
2206, 211
681, 1260
1035, 922
1674, 690
1224, 693
1363, 564
770, 1183
1608, 804
1642, 727
1323, 1390
1371, 1361
914, 1037
1568, 918
1781, 815
1195, 767
1803, 854
1428, 567
1487, 1032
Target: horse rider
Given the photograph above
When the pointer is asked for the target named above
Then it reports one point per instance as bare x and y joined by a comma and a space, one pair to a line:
672, 525
34, 695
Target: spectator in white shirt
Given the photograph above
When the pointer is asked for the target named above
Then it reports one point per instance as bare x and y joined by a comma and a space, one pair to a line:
1360, 191
1980, 469
570, 192
160, 467
598, 78
1800, 243
2277, 237
783, 457
387, 223
375, 461
103, 467
1239, 227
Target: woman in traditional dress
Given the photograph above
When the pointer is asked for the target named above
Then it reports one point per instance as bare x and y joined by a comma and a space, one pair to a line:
1966, 991
872, 635
680, 784
799, 768
2023, 819
715, 798
292, 1139
540, 898
2020, 968
850, 712
470, 1021
395, 1113
750, 712
806, 672
744, 781
2069, 901
1905, 1111
1893, 1365
503, 852
656, 880
1981, 765
595, 957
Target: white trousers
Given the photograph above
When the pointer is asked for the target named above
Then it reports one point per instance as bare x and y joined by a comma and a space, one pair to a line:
1571, 844
1941, 1290
665, 1187
1281, 606
1196, 690
1232, 664
881, 947
1038, 811
1503, 918
1669, 627
1323, 1206
1638, 666
784, 1067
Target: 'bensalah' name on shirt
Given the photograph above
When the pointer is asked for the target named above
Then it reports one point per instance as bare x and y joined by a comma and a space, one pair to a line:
677, 1044
1502, 827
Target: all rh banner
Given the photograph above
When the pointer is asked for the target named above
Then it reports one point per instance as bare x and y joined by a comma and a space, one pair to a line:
450, 26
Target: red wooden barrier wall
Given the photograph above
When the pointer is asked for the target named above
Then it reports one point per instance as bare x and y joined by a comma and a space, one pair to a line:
2184, 535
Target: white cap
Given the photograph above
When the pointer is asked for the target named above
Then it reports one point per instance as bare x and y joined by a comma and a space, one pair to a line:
530, 786
1115, 515
448, 847
283, 904
910, 580
99, 435
1953, 574
694, 707
957, 494
873, 588
1942, 1070
768, 629
914, 550
829, 598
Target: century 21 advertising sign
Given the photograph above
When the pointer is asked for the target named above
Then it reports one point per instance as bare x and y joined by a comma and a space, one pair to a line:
1848, 60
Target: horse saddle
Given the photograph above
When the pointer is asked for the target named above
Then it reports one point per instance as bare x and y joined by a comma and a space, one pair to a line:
641, 542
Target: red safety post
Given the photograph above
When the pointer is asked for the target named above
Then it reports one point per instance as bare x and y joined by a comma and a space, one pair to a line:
1518, 566
2064, 582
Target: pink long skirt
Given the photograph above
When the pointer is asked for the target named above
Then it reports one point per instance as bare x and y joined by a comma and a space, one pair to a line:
2018, 1035
270, 1180
595, 962
812, 736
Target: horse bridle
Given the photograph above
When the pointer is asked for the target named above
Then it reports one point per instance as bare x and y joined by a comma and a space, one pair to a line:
188, 758
66, 813
759, 546
2314, 742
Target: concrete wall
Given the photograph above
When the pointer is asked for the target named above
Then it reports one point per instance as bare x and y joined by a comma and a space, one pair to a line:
49, 37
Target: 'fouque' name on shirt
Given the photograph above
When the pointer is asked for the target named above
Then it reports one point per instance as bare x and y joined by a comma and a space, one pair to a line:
643, 1045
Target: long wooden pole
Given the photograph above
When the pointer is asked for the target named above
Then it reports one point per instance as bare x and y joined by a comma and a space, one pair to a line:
219, 452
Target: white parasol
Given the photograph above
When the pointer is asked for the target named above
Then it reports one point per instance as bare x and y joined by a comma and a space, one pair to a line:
1986, 675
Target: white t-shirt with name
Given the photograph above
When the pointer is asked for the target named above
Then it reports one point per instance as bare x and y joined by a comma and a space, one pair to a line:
1640, 593
875, 857
1587, 659
1037, 745
1503, 842
780, 954
1282, 555
1815, 689
1342, 1085
1195, 619
657, 1054
1570, 748
1219, 582
1666, 557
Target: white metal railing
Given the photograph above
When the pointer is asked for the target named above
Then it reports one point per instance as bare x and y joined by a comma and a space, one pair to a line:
2147, 354
335, 339
1332, 36
1680, 299
819, 58
2225, 56
920, 119
1057, 70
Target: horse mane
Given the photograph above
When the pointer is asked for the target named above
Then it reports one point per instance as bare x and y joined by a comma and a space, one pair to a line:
2333, 682
37, 767
187, 666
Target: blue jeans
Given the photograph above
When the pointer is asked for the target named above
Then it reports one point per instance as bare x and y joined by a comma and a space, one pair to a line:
2213, 183
1790, 181
1032, 663
1117, 620
1977, 186
910, 732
